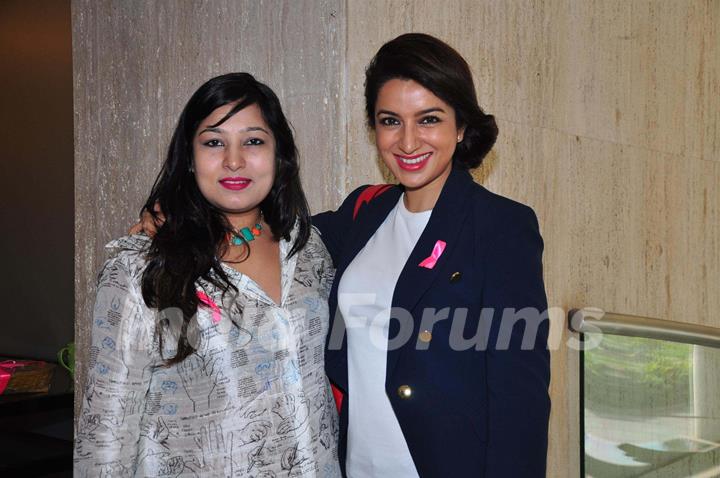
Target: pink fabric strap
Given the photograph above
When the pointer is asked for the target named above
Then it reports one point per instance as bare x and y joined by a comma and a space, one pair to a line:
368, 194
338, 396
205, 299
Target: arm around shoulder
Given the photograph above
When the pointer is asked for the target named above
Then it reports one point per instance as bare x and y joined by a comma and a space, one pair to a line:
334, 225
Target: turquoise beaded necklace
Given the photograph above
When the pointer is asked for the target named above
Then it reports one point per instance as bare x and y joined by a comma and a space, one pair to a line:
244, 235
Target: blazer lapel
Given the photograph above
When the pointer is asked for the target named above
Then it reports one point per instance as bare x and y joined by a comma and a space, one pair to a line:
369, 219
444, 225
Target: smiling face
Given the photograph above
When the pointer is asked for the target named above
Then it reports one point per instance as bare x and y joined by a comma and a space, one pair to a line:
235, 162
416, 134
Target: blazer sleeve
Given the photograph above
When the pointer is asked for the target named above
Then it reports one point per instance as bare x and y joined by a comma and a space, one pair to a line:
334, 225
518, 361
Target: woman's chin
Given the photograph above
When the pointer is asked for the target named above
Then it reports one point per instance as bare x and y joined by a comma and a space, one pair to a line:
409, 179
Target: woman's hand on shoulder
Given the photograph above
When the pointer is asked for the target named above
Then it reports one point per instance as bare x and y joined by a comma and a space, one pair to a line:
149, 222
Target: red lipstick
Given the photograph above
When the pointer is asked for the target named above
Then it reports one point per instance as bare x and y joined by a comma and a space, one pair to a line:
235, 183
412, 162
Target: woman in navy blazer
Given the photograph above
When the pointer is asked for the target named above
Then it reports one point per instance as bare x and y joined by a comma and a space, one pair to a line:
467, 370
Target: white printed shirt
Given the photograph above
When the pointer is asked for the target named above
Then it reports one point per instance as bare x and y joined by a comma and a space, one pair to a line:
252, 401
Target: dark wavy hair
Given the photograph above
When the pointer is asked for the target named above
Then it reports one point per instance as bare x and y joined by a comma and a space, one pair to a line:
438, 67
187, 245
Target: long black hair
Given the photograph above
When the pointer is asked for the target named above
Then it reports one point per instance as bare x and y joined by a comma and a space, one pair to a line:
438, 67
187, 245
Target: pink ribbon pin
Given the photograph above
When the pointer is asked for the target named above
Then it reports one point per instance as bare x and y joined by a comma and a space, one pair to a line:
205, 299
430, 262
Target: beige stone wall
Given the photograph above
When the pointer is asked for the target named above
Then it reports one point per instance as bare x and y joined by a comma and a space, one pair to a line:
609, 113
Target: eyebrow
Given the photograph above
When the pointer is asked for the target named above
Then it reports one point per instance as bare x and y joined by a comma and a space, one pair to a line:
249, 129
419, 113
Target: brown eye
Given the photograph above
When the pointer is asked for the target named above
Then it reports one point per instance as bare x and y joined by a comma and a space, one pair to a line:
213, 143
389, 121
429, 120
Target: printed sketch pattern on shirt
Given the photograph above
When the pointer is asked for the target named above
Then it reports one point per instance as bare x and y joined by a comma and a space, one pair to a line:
252, 401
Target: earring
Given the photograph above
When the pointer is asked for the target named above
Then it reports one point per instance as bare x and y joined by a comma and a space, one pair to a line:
192, 169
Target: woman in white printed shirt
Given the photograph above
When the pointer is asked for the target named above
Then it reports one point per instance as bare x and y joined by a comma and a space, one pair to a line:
207, 340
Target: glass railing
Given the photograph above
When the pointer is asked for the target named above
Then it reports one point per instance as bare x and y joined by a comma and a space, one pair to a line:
650, 392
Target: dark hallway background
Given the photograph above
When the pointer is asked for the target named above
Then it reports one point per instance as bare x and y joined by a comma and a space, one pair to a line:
36, 178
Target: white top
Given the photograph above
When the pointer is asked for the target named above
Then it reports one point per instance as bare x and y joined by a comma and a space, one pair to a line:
376, 445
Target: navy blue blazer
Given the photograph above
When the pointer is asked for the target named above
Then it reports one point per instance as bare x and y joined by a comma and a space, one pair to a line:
481, 411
